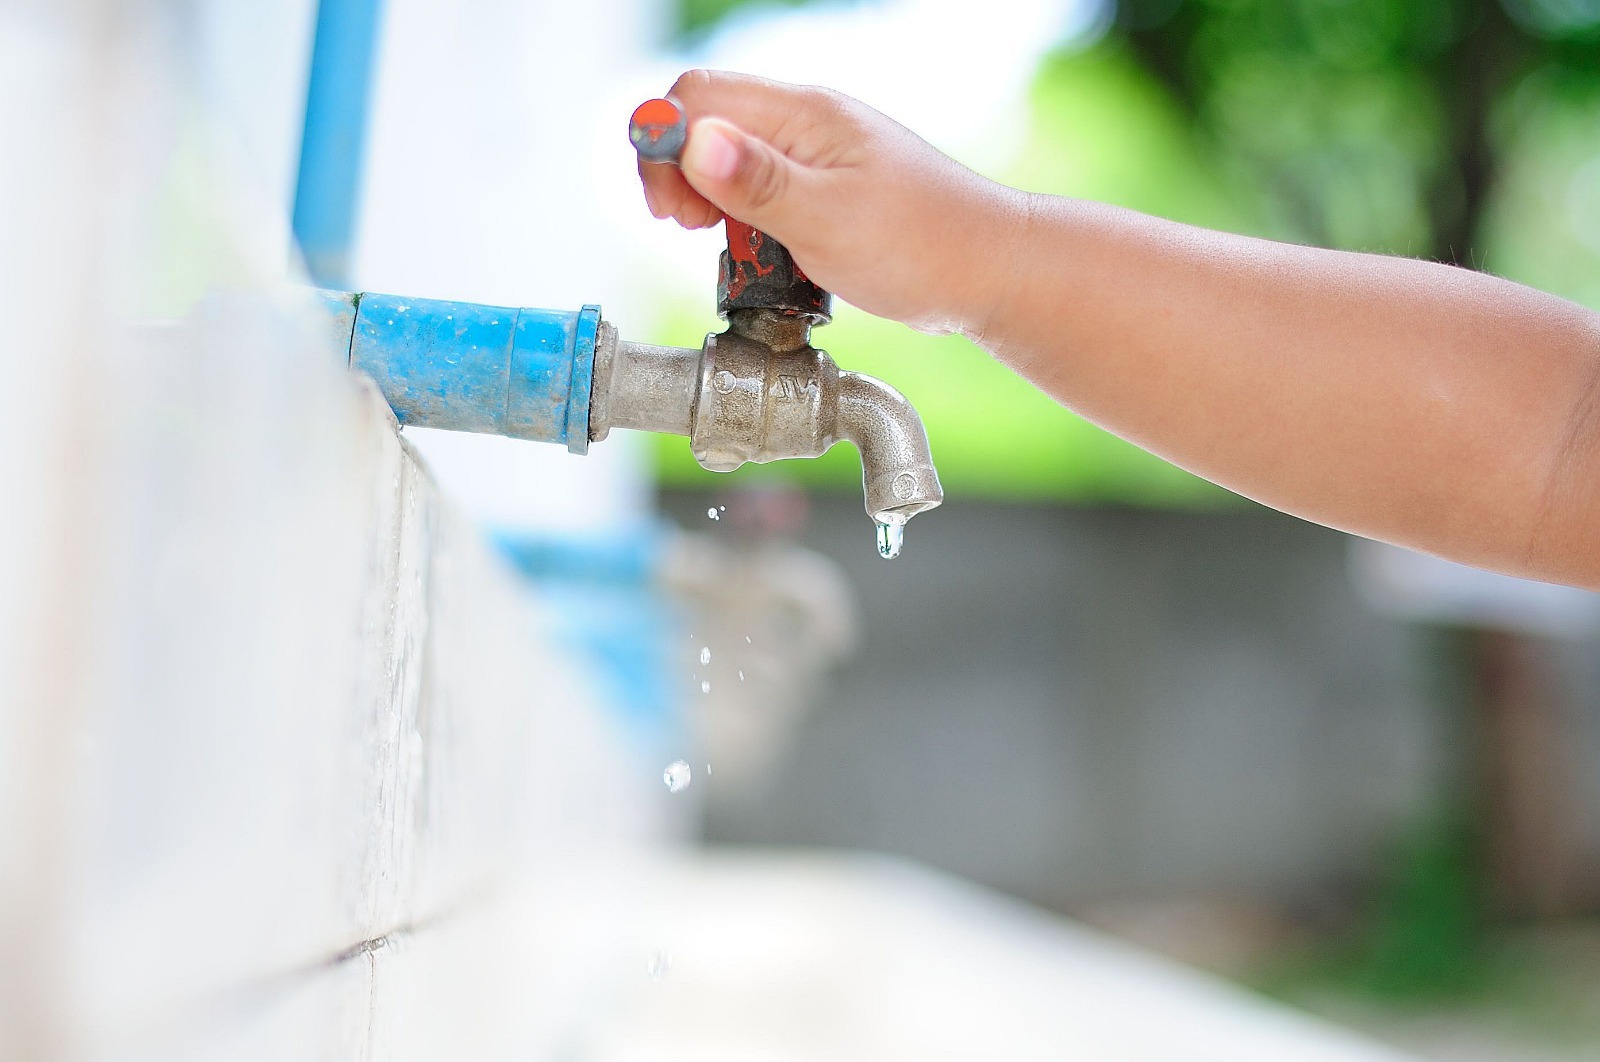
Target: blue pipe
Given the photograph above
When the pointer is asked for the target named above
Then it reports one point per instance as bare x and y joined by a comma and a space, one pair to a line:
607, 606
334, 140
498, 370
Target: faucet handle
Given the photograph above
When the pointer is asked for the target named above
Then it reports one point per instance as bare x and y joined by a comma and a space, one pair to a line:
756, 272
657, 130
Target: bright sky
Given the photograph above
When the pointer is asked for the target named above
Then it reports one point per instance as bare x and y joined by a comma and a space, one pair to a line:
950, 69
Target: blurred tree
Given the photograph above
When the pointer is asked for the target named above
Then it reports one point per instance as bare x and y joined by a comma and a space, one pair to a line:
696, 18
1365, 124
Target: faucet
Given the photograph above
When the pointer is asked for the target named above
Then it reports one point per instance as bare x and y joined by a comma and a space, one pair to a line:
758, 391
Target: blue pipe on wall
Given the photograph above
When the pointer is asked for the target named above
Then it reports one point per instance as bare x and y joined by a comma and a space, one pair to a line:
334, 140
499, 370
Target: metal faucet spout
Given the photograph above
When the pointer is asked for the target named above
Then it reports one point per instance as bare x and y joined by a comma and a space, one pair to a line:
897, 470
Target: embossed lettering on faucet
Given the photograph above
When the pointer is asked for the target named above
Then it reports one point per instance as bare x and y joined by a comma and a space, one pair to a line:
723, 381
794, 388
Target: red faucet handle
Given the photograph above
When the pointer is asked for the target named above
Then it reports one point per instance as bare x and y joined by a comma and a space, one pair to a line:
758, 273
658, 130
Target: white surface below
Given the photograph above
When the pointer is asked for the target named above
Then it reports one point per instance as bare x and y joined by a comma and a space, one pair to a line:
839, 957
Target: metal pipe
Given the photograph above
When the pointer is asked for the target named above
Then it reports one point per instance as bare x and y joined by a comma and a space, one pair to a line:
643, 387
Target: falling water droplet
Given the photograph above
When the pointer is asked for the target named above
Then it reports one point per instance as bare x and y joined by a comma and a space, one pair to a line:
659, 966
891, 535
711, 513
677, 776
705, 685
747, 639
705, 654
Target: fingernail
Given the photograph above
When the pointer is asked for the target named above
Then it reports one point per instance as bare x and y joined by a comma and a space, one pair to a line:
650, 202
712, 153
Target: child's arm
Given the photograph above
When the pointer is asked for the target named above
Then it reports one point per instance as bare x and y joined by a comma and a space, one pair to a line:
1422, 404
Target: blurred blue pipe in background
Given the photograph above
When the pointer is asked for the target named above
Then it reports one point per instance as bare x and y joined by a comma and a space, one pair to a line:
338, 104
607, 607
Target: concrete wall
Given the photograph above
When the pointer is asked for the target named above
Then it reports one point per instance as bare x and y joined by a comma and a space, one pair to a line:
1076, 704
1081, 706
291, 765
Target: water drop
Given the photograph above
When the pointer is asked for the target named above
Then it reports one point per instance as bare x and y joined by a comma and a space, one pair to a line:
891, 535
711, 513
705, 685
741, 676
747, 639
705, 654
659, 966
677, 776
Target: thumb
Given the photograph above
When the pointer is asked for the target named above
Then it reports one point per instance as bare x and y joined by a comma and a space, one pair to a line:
742, 176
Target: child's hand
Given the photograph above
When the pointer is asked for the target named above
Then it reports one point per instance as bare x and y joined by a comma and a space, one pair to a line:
868, 209
1445, 410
